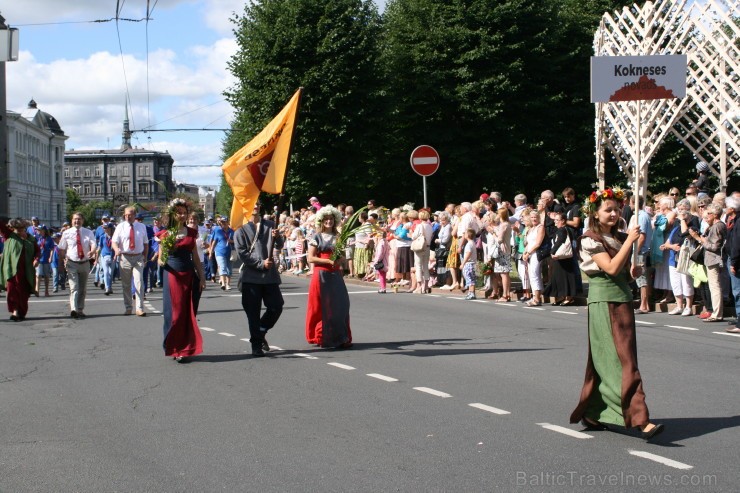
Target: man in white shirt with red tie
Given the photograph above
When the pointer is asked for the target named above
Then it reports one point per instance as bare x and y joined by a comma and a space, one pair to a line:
131, 247
77, 247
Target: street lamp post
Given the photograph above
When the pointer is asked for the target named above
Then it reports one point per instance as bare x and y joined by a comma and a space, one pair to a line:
8, 53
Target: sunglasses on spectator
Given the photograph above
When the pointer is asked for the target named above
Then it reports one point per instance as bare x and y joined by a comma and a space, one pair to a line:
674, 194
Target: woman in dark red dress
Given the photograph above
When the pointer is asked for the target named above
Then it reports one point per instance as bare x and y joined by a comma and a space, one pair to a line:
20, 256
327, 315
181, 269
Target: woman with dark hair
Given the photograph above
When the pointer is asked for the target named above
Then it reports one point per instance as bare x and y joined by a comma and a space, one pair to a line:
612, 391
327, 314
181, 265
562, 285
20, 257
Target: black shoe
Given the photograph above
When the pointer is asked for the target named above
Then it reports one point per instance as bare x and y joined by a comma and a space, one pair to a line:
592, 425
257, 352
657, 430
109, 292
14, 318
96, 284
265, 346
73, 314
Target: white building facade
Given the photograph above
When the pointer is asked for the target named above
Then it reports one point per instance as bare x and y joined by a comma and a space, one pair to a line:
36, 145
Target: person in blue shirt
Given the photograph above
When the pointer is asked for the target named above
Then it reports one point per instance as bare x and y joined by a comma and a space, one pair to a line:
221, 246
100, 231
105, 257
56, 274
43, 269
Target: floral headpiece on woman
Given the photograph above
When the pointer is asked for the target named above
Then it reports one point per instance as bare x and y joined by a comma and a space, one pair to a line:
177, 202
325, 212
594, 200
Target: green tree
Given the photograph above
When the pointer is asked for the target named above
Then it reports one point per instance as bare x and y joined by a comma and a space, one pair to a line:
224, 198
329, 48
74, 202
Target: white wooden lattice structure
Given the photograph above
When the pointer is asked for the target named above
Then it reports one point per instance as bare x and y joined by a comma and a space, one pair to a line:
707, 120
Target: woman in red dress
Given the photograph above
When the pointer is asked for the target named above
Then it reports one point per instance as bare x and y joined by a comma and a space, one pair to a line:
20, 256
327, 315
181, 269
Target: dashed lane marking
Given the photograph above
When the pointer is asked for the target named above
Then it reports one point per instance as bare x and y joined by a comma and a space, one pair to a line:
681, 327
438, 393
534, 308
660, 459
727, 334
207, 329
382, 377
342, 366
227, 334
245, 340
490, 409
307, 356
643, 322
567, 313
565, 431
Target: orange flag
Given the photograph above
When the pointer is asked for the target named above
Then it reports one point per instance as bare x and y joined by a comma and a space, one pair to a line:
261, 165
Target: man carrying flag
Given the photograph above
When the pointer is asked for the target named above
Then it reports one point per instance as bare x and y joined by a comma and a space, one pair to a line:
260, 166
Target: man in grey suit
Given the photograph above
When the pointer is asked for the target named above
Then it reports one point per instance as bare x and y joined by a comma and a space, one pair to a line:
259, 281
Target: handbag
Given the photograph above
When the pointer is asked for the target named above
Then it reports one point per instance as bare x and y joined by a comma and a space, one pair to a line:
543, 251
564, 251
379, 265
684, 257
697, 255
418, 244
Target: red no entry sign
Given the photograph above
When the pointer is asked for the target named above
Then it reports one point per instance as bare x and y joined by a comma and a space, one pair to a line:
425, 160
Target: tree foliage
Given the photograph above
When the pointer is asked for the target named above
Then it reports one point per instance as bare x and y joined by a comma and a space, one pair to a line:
499, 87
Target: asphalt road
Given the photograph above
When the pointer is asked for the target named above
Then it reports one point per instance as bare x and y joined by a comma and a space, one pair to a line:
438, 394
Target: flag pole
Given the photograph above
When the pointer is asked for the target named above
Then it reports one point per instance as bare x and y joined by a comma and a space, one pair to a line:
281, 199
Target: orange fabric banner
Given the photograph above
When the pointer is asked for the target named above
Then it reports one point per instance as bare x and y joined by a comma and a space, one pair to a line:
261, 165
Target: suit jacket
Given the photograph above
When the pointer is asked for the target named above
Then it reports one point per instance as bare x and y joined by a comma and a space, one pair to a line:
253, 247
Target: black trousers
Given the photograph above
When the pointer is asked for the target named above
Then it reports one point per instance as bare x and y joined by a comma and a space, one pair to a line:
253, 296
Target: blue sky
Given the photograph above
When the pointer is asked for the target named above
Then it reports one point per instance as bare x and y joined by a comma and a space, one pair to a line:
74, 70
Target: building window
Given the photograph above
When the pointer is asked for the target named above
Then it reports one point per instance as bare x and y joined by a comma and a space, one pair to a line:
144, 188
66, 172
144, 170
86, 189
57, 185
77, 172
98, 189
87, 172
97, 171
125, 171
113, 188
113, 171
124, 187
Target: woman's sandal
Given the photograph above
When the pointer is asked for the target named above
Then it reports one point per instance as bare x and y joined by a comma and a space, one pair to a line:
654, 431
592, 425
533, 303
567, 302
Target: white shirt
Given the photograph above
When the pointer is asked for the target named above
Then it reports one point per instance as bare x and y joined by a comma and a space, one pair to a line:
467, 221
122, 234
68, 242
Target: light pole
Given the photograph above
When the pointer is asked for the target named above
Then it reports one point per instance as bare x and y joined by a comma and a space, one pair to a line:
8, 53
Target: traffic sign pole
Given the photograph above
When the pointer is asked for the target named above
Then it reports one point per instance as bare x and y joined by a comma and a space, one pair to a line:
425, 162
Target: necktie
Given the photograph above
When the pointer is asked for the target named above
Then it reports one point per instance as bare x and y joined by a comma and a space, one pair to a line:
132, 239
80, 252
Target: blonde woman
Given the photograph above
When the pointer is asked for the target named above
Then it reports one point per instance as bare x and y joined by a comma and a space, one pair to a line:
502, 264
453, 259
421, 258
535, 237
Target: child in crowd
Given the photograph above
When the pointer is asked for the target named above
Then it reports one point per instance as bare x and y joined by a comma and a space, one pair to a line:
469, 258
380, 259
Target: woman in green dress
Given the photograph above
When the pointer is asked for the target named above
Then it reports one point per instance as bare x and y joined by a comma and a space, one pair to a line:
612, 393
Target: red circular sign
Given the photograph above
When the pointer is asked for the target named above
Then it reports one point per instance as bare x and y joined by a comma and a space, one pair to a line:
425, 160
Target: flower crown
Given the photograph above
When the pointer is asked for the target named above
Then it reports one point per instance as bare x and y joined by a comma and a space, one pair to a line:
597, 196
325, 212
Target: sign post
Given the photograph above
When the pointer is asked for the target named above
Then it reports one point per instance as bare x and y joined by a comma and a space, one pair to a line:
425, 162
617, 79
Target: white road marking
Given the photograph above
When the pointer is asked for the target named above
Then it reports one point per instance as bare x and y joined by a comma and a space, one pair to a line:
207, 329
727, 334
434, 295
245, 340
479, 301
307, 356
427, 390
490, 409
567, 313
227, 334
382, 377
343, 367
680, 327
646, 323
565, 431
513, 305
533, 308
660, 459
274, 348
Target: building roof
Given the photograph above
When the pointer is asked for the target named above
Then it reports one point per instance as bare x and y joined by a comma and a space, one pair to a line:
45, 119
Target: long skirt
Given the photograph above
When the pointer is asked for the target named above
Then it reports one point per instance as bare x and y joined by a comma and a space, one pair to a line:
612, 391
391, 272
362, 257
18, 291
453, 259
563, 280
404, 260
327, 315
181, 332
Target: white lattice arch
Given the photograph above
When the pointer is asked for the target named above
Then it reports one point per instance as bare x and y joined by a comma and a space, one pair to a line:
707, 120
